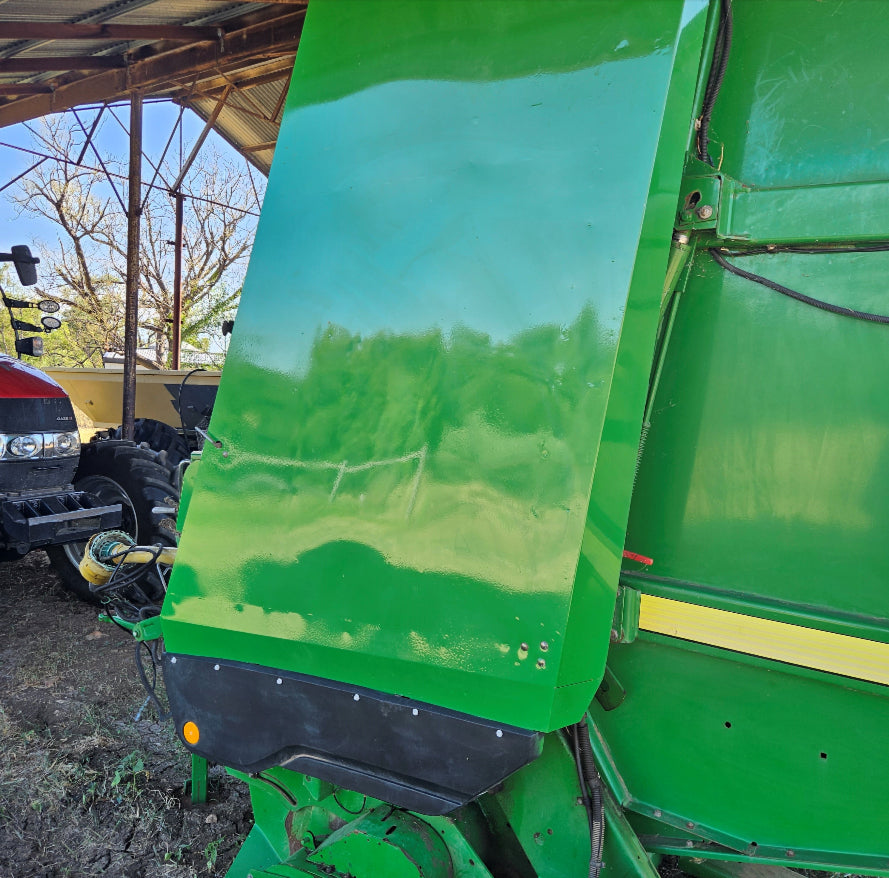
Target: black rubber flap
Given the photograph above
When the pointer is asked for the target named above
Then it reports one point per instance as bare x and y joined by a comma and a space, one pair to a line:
408, 753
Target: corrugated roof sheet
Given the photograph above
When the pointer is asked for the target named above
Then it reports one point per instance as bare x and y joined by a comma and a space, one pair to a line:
254, 86
246, 120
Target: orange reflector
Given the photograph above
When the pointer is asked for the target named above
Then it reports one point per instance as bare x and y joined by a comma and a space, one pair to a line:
191, 733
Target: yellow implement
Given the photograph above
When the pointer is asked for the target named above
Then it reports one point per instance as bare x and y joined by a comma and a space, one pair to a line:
98, 394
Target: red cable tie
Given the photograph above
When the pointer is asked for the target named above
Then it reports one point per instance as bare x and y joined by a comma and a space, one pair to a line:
633, 556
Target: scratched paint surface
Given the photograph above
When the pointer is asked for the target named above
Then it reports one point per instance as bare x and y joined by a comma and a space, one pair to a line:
411, 416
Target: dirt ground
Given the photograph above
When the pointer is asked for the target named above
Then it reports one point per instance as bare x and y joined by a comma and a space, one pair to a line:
90, 782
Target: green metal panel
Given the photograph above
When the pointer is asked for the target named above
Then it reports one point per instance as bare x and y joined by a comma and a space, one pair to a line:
429, 416
432, 406
766, 472
764, 490
399, 845
541, 805
764, 484
803, 102
750, 755
832, 212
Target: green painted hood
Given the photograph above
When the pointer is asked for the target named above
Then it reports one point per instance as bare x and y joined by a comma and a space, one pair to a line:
429, 416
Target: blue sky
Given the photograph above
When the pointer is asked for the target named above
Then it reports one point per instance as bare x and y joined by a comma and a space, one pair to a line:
158, 121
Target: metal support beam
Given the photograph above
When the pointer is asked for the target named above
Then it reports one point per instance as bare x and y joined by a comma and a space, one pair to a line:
155, 166
131, 326
160, 162
65, 62
60, 30
161, 73
280, 103
24, 88
177, 283
259, 147
276, 70
89, 136
24, 173
92, 146
201, 138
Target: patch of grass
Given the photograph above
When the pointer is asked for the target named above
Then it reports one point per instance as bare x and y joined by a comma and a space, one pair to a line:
211, 852
85, 789
128, 772
175, 855
29, 774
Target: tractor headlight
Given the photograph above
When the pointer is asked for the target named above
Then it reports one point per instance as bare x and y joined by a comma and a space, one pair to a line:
29, 446
63, 444
25, 446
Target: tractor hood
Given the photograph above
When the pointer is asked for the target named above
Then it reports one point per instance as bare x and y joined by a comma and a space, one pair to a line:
20, 380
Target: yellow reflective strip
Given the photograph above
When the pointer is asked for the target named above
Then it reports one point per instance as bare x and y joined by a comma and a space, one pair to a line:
807, 647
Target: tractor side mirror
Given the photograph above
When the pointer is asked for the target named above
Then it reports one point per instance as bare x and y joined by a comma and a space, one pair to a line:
25, 265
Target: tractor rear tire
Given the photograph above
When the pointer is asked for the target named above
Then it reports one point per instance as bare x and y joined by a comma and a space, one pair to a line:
117, 471
160, 437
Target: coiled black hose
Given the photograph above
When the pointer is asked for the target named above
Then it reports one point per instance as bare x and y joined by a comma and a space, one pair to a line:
591, 792
718, 66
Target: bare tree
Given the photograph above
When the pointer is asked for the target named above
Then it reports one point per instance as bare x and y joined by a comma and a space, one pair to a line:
86, 270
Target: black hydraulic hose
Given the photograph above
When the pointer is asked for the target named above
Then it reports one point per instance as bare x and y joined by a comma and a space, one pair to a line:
574, 740
716, 76
721, 48
594, 784
721, 55
806, 249
179, 399
793, 294
162, 715
590, 791
127, 580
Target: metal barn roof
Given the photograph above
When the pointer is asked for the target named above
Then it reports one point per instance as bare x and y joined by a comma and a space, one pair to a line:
229, 61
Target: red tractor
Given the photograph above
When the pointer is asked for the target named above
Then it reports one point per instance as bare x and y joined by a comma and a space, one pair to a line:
55, 494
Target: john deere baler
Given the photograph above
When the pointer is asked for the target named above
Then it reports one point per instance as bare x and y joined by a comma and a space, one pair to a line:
542, 528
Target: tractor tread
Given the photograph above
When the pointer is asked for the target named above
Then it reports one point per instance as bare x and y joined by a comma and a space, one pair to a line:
113, 465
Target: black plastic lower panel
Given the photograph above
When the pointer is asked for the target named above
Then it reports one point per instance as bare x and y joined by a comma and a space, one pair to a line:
408, 753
